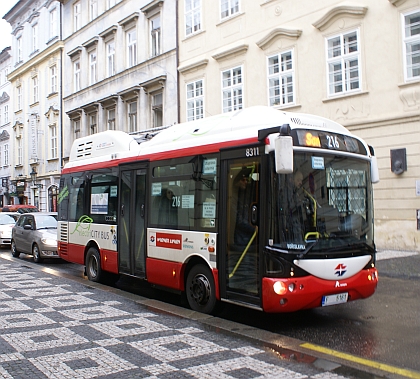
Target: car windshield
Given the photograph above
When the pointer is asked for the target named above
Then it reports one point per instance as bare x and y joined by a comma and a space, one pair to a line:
324, 206
7, 219
45, 222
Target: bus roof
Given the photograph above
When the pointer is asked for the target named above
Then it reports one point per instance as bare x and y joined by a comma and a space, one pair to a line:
233, 126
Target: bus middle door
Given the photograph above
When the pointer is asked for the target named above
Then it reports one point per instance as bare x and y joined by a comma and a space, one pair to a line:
131, 220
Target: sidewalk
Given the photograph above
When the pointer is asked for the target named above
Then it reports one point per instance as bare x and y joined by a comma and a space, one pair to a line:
54, 327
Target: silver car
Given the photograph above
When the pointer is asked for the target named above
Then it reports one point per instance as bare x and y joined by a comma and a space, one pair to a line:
7, 221
35, 234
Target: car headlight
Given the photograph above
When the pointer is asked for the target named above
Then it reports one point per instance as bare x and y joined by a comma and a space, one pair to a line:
48, 241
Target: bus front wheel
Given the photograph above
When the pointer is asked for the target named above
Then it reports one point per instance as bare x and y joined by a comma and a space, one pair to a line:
93, 265
200, 289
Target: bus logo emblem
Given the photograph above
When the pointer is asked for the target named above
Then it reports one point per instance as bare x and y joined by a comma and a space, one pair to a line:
340, 269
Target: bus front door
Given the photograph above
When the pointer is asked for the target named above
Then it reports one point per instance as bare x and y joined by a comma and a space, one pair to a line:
241, 274
131, 221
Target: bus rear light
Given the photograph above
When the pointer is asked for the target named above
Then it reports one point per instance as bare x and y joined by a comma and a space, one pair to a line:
291, 287
283, 301
279, 288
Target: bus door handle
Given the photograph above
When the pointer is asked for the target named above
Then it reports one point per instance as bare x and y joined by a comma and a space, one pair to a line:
254, 215
142, 211
122, 210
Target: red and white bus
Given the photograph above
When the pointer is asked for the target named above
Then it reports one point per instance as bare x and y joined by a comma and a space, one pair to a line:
262, 208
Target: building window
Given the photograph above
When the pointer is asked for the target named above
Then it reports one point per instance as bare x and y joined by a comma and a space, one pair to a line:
77, 77
53, 142
19, 143
6, 114
34, 37
110, 119
228, 8
6, 154
343, 56
192, 16
110, 58
53, 23
19, 55
76, 128
53, 78
93, 127
157, 109
93, 9
232, 89
19, 97
195, 100
111, 3
155, 35
412, 45
132, 116
281, 79
35, 89
77, 16
92, 67
132, 47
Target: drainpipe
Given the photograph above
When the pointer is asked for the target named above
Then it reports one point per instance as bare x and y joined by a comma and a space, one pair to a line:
177, 63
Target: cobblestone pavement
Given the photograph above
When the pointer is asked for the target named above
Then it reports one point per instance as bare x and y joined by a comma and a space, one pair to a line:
53, 327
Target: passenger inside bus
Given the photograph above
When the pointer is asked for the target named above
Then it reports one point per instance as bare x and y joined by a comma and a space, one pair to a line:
168, 212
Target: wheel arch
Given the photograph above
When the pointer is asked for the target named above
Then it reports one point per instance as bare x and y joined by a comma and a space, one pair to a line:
90, 244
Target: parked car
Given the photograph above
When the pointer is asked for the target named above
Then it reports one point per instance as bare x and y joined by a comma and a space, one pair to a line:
20, 208
7, 222
35, 234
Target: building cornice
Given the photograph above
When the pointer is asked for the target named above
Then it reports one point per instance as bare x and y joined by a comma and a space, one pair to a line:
278, 33
342, 10
397, 2
193, 66
230, 52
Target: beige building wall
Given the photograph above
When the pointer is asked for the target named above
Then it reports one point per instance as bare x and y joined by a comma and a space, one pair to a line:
384, 109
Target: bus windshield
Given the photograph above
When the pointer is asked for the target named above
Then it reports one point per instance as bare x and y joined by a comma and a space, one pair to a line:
326, 205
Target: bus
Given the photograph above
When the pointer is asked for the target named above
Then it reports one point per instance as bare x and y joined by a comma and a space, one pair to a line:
262, 208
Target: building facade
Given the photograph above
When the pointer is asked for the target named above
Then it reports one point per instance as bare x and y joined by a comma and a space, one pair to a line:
35, 78
5, 125
121, 67
355, 62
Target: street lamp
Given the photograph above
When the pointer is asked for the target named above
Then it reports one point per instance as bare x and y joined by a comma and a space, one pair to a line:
33, 175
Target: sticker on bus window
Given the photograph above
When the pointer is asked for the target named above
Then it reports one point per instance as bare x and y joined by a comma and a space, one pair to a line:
99, 203
187, 201
209, 210
113, 191
210, 166
318, 163
156, 189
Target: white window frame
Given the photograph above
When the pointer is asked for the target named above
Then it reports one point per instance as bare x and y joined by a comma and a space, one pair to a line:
195, 100
131, 47
132, 116
229, 8
6, 154
111, 3
6, 114
53, 79
343, 77
232, 89
76, 128
35, 89
53, 23
93, 123
110, 58
157, 109
35, 37
77, 75
77, 16
93, 72
93, 9
19, 97
53, 142
411, 57
19, 56
192, 16
111, 118
155, 23
281, 79
19, 144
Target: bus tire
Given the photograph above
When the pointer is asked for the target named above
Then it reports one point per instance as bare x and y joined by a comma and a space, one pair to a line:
93, 265
200, 289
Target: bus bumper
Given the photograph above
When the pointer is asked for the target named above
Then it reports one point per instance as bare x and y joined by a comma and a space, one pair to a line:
298, 293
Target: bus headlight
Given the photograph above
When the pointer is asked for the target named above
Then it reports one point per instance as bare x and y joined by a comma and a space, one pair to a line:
280, 288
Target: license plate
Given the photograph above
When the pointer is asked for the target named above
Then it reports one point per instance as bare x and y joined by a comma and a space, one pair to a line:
339, 298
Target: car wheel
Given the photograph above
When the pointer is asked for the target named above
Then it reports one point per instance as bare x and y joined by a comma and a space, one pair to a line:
93, 265
15, 253
36, 254
200, 289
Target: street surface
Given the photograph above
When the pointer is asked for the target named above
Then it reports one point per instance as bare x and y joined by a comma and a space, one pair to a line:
103, 324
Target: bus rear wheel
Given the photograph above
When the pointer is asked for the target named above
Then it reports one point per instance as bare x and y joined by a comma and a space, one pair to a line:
93, 265
200, 289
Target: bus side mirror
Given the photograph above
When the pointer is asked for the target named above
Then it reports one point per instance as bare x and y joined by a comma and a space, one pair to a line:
374, 170
283, 148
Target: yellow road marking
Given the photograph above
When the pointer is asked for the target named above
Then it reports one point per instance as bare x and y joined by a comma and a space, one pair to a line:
363, 361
